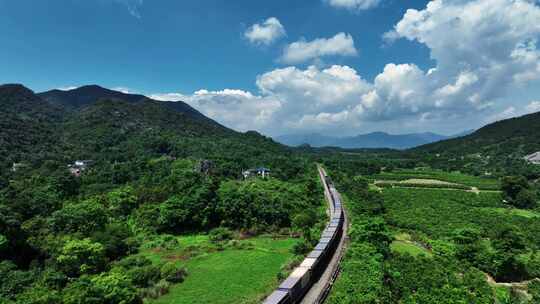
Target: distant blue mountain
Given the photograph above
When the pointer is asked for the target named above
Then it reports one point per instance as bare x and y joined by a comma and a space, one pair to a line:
370, 140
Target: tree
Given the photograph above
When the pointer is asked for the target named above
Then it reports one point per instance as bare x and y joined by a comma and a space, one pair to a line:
81, 257
84, 217
114, 287
107, 288
305, 221
12, 280
374, 231
518, 192
526, 199
512, 185
117, 239
39, 295
121, 201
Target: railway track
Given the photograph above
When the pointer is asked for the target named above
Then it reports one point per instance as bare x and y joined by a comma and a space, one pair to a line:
311, 282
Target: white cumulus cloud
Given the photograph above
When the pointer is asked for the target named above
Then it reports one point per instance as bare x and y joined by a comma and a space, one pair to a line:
132, 6
483, 52
265, 33
341, 44
353, 4
533, 107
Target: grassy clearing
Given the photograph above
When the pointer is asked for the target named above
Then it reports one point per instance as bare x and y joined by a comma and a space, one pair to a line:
402, 236
408, 247
481, 183
233, 275
519, 212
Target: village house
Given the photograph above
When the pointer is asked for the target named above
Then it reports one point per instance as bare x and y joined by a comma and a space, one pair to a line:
18, 166
262, 172
533, 158
79, 166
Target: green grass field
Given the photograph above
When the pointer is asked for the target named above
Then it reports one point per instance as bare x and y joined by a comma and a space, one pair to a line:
408, 247
519, 212
228, 276
482, 183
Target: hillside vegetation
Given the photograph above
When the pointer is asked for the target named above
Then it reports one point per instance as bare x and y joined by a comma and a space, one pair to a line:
497, 148
435, 245
110, 233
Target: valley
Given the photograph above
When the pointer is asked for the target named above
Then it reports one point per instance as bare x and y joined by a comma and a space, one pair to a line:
272, 152
134, 200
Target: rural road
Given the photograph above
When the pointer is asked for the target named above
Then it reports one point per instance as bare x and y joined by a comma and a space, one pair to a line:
320, 290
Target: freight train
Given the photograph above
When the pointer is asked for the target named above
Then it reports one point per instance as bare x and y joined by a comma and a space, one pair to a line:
293, 289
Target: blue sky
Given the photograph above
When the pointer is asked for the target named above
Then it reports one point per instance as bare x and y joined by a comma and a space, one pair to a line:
310, 66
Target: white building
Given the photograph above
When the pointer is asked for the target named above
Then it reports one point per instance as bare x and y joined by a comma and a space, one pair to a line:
262, 172
533, 158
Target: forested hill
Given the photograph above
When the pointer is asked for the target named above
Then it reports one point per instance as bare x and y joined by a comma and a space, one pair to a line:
117, 128
27, 122
516, 135
88, 95
497, 147
92, 188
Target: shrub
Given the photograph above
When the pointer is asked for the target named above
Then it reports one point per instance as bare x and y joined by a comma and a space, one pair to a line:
103, 289
534, 290
39, 295
156, 291
220, 234
144, 276
173, 273
165, 241
302, 247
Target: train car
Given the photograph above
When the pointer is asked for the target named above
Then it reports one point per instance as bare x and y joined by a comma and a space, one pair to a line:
293, 289
297, 284
278, 297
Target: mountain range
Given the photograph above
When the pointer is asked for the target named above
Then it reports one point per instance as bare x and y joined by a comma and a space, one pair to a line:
369, 140
96, 123
91, 121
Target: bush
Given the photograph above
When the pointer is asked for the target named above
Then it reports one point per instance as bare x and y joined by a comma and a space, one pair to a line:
173, 273
165, 241
534, 290
156, 291
220, 234
144, 276
107, 288
302, 247
13, 281
39, 295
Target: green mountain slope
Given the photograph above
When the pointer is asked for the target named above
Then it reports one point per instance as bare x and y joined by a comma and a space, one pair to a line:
519, 135
64, 126
500, 145
27, 123
87, 95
